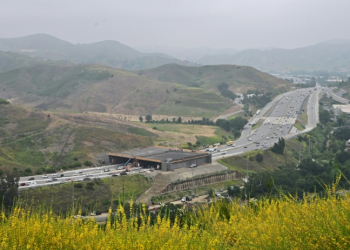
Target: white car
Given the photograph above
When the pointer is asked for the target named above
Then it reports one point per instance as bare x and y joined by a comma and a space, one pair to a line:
54, 174
45, 176
183, 199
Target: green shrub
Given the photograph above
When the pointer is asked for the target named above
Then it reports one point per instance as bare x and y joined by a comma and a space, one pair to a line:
88, 163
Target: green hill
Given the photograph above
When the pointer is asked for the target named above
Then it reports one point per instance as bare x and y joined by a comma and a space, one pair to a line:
10, 61
80, 88
109, 53
43, 142
238, 78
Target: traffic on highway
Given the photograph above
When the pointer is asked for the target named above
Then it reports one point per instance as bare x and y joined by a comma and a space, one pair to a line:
277, 120
77, 175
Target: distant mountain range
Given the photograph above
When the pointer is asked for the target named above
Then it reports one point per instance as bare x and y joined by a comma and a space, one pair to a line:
329, 56
109, 53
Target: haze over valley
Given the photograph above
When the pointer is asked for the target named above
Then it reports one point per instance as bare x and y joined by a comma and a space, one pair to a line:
174, 124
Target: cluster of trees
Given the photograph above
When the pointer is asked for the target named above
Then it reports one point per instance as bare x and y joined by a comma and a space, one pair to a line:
234, 126
344, 84
306, 85
322, 160
8, 188
223, 88
325, 116
278, 147
256, 100
203, 121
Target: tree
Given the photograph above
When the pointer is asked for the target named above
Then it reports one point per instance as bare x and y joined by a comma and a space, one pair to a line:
246, 107
88, 163
325, 116
179, 119
278, 147
8, 188
28, 170
343, 156
342, 133
140, 118
148, 118
259, 157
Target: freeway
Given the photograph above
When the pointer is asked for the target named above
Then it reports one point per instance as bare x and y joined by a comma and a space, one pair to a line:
74, 175
277, 120
336, 97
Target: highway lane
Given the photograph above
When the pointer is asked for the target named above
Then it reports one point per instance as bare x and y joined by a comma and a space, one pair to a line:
72, 175
337, 98
278, 119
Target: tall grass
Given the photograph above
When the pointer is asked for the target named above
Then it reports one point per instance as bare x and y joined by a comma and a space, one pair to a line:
284, 223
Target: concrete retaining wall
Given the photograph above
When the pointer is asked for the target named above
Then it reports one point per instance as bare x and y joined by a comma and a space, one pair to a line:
201, 181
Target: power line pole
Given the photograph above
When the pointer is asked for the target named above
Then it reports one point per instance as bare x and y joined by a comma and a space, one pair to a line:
73, 195
192, 181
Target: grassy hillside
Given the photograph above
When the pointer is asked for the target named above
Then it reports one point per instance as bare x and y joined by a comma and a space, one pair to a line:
238, 78
10, 61
33, 141
109, 53
80, 88
271, 161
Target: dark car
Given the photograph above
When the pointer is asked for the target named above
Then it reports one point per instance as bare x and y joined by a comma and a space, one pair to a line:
31, 178
188, 198
87, 179
114, 175
62, 175
22, 184
123, 173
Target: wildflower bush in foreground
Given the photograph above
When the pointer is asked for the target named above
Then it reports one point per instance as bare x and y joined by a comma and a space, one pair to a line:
285, 223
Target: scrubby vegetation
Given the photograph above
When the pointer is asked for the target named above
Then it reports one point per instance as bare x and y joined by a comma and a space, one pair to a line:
284, 223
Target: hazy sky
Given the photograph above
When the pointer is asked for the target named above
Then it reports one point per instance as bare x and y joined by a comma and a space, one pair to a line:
181, 23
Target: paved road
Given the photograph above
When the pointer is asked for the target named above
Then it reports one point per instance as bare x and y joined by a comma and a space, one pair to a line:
337, 98
73, 175
278, 118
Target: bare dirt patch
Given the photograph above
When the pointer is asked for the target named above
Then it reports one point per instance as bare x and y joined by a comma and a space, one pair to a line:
87, 143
